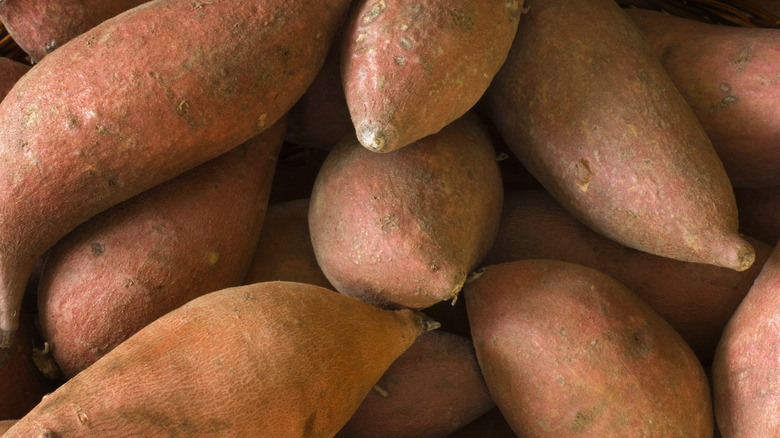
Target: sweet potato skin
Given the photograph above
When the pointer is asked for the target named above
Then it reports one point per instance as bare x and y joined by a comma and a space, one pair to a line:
404, 229
271, 359
744, 371
434, 388
411, 68
568, 351
214, 74
696, 299
10, 72
135, 262
585, 104
39, 27
729, 77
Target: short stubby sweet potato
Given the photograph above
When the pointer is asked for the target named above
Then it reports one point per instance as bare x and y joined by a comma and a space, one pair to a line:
730, 76
138, 260
273, 359
586, 105
40, 26
10, 72
745, 382
404, 229
409, 68
696, 299
433, 389
569, 351
138, 100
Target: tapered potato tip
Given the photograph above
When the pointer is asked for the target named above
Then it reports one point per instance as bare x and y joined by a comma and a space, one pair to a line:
378, 137
742, 258
428, 324
6, 340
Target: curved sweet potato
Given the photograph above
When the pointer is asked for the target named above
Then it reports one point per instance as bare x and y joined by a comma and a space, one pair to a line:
696, 299
569, 351
135, 262
40, 26
585, 104
729, 76
137, 100
274, 359
404, 229
409, 68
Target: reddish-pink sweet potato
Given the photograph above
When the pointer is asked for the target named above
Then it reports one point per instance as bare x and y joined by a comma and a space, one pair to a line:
730, 76
10, 72
434, 388
409, 68
696, 299
137, 100
40, 26
585, 104
135, 262
273, 359
404, 229
569, 351
745, 381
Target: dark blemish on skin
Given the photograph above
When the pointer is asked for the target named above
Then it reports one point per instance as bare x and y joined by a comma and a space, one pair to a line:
101, 130
376, 10
461, 18
583, 174
743, 56
581, 421
98, 249
726, 101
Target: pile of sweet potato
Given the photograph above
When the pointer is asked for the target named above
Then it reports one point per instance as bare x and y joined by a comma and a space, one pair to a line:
247, 218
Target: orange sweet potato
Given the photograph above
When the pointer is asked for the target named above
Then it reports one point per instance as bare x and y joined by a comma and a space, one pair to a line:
745, 383
434, 388
585, 104
274, 359
135, 262
40, 26
404, 229
696, 299
137, 100
730, 76
409, 68
569, 351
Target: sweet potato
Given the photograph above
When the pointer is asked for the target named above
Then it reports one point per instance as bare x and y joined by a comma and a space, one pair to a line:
40, 26
135, 262
274, 359
433, 389
405, 229
759, 212
137, 100
492, 424
409, 68
5, 425
284, 251
569, 351
696, 299
10, 72
730, 76
745, 383
585, 104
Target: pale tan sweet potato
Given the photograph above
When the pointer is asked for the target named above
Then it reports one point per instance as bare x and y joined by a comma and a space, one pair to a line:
274, 359
433, 389
40, 26
586, 105
135, 262
745, 383
569, 351
5, 425
404, 229
730, 76
409, 68
137, 100
696, 299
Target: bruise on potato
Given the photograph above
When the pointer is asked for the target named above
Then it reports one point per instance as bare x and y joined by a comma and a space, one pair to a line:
584, 103
137, 100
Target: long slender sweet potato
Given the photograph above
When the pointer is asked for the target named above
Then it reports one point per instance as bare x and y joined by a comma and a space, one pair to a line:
409, 68
135, 262
730, 76
585, 104
696, 299
569, 351
40, 26
404, 229
137, 100
745, 382
434, 388
274, 359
